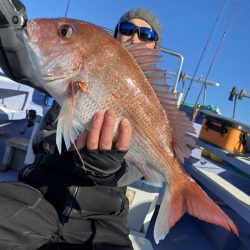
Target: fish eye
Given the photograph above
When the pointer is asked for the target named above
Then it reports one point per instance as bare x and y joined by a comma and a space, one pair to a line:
65, 31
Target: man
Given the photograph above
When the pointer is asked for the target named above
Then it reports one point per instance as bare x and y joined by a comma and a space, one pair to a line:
57, 201
139, 25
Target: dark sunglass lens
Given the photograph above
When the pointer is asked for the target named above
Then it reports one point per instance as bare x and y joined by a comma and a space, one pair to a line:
147, 34
126, 28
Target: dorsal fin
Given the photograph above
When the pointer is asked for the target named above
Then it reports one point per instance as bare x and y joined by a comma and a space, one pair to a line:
179, 122
147, 59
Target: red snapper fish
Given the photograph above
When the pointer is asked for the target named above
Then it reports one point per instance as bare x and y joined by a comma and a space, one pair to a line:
86, 71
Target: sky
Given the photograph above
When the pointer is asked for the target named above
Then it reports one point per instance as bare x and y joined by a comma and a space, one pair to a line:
187, 26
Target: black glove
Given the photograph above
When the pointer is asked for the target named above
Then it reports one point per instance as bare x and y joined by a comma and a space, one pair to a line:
104, 167
102, 162
14, 59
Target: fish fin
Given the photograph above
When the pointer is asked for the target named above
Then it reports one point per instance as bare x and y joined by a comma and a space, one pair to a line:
147, 58
162, 226
82, 85
68, 129
65, 124
201, 206
192, 200
180, 126
59, 138
77, 129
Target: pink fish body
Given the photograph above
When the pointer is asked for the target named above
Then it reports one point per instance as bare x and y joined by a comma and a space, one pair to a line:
86, 71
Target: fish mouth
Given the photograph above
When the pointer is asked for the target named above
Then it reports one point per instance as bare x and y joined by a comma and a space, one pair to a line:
30, 49
52, 78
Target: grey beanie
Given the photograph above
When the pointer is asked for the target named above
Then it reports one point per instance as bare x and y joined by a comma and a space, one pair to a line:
147, 16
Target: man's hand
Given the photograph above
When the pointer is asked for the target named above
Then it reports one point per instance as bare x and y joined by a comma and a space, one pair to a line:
102, 156
100, 135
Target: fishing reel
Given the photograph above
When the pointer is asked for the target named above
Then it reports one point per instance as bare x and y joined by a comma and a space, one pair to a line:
30, 117
13, 13
14, 59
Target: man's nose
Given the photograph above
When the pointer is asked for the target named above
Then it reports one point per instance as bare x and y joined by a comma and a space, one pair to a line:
135, 38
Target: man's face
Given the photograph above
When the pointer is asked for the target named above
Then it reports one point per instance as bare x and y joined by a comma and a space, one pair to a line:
134, 38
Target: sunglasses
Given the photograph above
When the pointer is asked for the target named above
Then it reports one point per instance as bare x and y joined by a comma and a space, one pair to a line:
144, 33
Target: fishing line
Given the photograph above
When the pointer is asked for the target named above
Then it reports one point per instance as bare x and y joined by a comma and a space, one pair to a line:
244, 6
228, 25
67, 9
216, 24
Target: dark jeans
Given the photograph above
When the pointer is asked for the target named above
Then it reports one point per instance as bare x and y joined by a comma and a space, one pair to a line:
93, 217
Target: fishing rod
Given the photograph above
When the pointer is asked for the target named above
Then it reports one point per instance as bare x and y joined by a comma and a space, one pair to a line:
217, 21
67, 9
228, 25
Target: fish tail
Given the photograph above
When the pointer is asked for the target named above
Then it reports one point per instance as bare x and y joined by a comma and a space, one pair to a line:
200, 205
192, 200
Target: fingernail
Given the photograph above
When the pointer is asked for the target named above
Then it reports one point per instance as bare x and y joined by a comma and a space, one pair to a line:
110, 113
98, 117
125, 122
